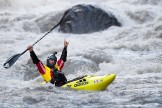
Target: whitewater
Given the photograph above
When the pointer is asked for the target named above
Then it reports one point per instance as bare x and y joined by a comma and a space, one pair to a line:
133, 52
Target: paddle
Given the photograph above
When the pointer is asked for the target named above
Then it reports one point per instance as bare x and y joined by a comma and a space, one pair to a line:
15, 57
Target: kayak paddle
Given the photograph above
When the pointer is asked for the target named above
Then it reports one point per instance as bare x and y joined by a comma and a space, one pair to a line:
15, 57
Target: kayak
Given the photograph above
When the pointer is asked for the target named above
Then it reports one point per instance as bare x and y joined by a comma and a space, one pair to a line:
90, 82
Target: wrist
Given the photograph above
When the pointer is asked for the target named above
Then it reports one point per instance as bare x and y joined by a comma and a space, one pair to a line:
65, 47
30, 50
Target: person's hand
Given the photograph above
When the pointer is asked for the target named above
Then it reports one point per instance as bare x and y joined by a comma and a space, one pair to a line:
66, 43
30, 48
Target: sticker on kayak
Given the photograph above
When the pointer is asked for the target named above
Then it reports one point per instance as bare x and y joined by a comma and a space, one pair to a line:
97, 81
81, 82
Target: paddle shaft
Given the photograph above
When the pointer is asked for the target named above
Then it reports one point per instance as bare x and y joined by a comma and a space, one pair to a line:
42, 37
64, 16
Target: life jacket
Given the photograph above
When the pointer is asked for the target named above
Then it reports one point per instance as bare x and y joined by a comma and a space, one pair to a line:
54, 76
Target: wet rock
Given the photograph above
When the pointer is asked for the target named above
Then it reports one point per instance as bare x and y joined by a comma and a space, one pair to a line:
86, 19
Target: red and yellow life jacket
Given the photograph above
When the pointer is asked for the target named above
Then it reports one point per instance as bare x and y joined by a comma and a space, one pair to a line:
46, 72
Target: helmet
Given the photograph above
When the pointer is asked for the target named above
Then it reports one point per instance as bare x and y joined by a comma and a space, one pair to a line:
52, 57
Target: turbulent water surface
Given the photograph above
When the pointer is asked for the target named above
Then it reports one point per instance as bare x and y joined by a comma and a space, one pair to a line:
133, 52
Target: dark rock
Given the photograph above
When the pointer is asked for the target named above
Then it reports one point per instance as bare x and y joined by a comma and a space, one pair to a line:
86, 19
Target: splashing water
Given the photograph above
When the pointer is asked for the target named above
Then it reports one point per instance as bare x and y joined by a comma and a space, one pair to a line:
133, 52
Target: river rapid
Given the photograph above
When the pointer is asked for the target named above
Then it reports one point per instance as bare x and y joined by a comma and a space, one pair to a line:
133, 52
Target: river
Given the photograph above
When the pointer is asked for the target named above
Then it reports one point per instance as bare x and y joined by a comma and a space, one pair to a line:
133, 52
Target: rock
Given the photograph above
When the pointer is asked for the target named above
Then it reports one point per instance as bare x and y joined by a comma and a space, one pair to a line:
82, 19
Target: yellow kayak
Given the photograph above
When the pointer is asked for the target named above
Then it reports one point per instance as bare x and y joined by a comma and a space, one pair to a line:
90, 83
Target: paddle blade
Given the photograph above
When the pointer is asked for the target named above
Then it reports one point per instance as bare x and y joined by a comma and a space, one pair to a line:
11, 61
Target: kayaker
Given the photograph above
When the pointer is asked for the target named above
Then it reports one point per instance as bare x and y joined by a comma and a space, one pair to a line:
51, 72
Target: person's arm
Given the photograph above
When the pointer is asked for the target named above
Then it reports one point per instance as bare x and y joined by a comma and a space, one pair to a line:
64, 52
33, 55
36, 61
63, 57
